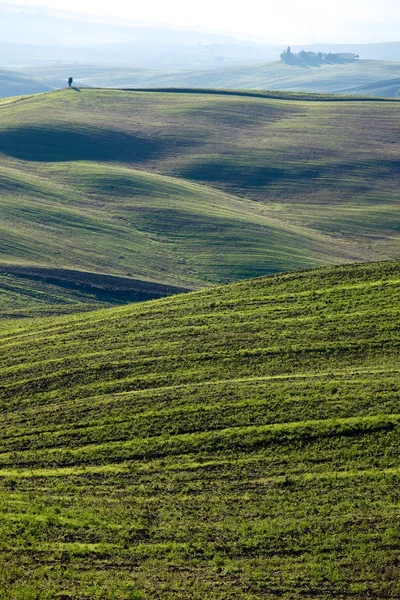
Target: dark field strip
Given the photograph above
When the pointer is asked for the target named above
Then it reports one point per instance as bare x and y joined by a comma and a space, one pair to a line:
238, 442
276, 95
28, 292
96, 281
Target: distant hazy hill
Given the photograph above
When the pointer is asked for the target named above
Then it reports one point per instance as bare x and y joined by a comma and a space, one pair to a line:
34, 35
363, 77
386, 51
13, 83
387, 87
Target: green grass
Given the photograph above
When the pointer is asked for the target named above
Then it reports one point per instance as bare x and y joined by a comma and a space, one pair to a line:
193, 189
236, 442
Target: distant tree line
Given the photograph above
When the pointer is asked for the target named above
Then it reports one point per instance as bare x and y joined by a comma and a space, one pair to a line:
316, 58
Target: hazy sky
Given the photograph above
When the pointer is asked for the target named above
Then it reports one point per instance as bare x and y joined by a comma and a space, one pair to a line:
299, 20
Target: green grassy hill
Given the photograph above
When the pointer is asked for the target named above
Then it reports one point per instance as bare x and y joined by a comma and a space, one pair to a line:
192, 189
329, 78
239, 442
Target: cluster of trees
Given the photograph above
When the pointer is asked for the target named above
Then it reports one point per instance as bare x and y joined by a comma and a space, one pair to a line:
316, 58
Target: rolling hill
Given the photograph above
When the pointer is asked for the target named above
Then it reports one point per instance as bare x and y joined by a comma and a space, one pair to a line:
360, 77
237, 442
14, 83
387, 87
192, 189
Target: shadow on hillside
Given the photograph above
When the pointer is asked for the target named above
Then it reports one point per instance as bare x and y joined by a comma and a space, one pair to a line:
233, 175
242, 175
50, 144
105, 288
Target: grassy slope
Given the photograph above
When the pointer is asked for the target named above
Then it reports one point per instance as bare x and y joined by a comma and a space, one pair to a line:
191, 189
274, 76
239, 442
114, 219
386, 87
